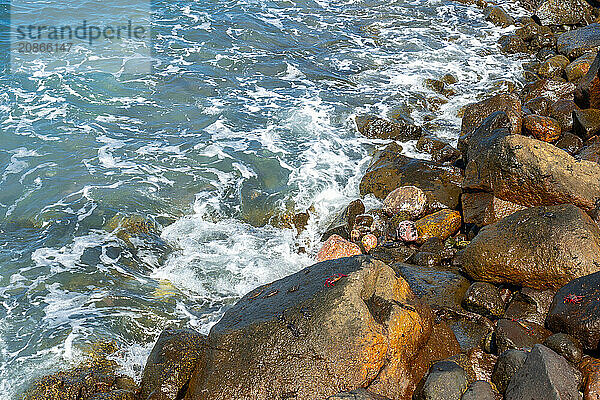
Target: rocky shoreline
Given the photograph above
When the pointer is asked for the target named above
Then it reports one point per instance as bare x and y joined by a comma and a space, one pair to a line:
478, 278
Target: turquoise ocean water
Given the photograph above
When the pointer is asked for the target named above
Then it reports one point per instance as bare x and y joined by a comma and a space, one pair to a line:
248, 113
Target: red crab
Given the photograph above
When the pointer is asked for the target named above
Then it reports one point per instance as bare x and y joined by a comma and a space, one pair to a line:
330, 282
573, 299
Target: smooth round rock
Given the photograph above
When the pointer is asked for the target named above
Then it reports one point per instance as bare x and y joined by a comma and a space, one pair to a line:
408, 199
565, 345
484, 298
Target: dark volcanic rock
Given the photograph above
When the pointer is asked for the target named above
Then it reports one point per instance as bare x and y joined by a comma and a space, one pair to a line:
483, 208
542, 128
540, 247
587, 94
554, 67
590, 152
480, 390
576, 310
446, 380
298, 336
476, 114
544, 376
570, 143
497, 16
530, 305
472, 143
515, 334
358, 394
484, 298
565, 345
390, 170
529, 172
342, 225
586, 123
507, 365
392, 254
434, 286
562, 111
512, 44
539, 106
171, 363
564, 12
379, 128
590, 368
577, 42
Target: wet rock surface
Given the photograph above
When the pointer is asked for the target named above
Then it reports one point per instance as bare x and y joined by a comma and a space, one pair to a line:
540, 247
283, 338
358, 394
481, 208
545, 375
587, 94
484, 298
576, 310
542, 128
337, 247
170, 365
577, 42
517, 334
391, 170
446, 380
480, 390
565, 345
95, 378
379, 128
343, 223
529, 172
509, 362
586, 123
564, 12
476, 113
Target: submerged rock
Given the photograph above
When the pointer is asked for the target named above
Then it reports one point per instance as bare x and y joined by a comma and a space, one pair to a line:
540, 247
95, 378
576, 310
544, 376
391, 170
497, 16
379, 128
337, 247
332, 327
